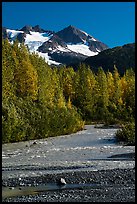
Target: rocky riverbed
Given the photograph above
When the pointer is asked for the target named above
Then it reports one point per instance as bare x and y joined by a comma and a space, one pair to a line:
115, 185
95, 167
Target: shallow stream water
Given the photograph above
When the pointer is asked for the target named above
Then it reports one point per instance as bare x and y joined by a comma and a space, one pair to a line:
90, 149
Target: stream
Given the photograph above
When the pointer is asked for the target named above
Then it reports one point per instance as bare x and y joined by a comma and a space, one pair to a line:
90, 149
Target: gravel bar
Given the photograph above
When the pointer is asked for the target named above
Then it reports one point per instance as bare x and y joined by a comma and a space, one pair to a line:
114, 185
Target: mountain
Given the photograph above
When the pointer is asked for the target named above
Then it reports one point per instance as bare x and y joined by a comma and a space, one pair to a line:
70, 45
121, 56
72, 35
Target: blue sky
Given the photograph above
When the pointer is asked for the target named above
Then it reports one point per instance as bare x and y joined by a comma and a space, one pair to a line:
113, 23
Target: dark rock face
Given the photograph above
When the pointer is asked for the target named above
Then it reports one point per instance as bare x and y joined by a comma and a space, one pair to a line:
4, 33
52, 44
67, 58
38, 29
41, 30
26, 29
71, 34
97, 45
21, 37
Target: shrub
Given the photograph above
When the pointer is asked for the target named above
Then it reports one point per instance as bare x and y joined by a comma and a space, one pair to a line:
127, 134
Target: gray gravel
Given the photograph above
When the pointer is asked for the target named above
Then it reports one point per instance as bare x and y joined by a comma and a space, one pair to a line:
94, 166
115, 185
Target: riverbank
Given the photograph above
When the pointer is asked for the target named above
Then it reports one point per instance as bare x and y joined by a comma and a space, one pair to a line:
95, 167
115, 185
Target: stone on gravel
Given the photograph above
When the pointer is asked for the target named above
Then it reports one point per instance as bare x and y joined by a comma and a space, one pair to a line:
61, 181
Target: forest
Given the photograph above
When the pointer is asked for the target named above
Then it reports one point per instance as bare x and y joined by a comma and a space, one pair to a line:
40, 101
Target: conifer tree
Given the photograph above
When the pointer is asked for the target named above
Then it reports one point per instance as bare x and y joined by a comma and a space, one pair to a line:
26, 78
129, 94
67, 82
102, 95
84, 91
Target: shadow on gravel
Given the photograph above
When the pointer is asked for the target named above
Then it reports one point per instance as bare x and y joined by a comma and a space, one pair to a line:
125, 156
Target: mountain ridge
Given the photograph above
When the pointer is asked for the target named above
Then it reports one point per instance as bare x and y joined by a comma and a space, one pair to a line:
123, 57
63, 47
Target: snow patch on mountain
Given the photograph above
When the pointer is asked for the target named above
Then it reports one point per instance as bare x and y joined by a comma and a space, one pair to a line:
36, 36
93, 39
82, 49
62, 49
35, 40
84, 32
66, 46
13, 33
47, 58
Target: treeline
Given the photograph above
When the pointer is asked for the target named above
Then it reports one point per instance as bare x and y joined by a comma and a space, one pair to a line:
39, 101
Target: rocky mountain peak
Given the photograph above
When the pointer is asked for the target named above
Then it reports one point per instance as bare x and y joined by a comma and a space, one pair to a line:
53, 43
66, 46
71, 27
72, 34
38, 29
26, 29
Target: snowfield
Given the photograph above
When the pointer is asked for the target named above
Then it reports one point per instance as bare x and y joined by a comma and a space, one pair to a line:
36, 36
82, 49
13, 33
35, 39
47, 58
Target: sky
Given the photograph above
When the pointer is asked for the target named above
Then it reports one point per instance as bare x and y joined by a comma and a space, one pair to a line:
113, 23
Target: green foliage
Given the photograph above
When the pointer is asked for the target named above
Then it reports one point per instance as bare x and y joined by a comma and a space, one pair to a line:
65, 121
101, 96
66, 77
33, 104
27, 83
84, 85
14, 125
127, 134
104, 97
39, 101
